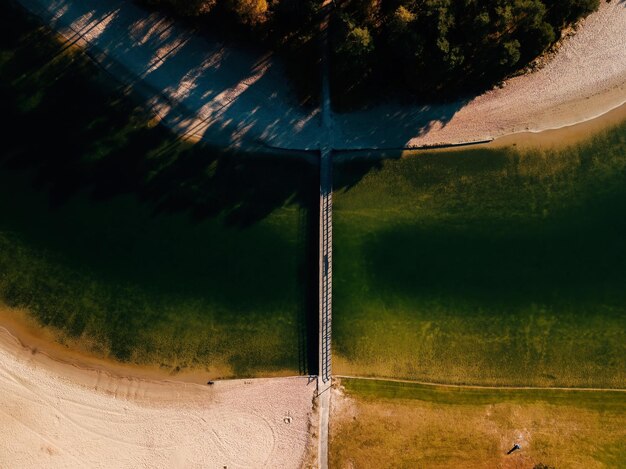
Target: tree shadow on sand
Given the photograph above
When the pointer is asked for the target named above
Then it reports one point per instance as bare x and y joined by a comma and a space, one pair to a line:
200, 83
82, 135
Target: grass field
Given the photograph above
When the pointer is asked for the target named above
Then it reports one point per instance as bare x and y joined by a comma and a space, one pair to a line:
484, 266
386, 424
138, 246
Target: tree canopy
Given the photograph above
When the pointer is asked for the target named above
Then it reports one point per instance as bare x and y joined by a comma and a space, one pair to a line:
426, 48
442, 48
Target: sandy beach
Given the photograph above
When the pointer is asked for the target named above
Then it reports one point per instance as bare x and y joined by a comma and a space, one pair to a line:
204, 89
58, 414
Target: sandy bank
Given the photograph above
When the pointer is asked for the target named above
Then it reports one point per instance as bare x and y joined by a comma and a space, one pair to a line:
583, 81
204, 89
56, 414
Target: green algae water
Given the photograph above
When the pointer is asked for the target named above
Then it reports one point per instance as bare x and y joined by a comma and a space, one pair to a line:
134, 245
161, 289
484, 266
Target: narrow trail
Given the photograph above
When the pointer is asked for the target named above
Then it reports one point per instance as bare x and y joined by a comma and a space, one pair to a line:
484, 387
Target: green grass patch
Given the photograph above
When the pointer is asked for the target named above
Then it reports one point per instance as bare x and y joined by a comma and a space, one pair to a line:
388, 424
139, 246
484, 266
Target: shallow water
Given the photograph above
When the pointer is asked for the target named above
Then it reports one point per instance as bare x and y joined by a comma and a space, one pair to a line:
157, 288
486, 266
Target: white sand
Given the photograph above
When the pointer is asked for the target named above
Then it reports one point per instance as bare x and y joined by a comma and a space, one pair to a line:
56, 415
204, 89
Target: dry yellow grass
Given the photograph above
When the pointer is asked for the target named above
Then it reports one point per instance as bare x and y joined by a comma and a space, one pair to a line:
432, 428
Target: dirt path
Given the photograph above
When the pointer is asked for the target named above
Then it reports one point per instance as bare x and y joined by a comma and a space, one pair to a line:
202, 88
476, 386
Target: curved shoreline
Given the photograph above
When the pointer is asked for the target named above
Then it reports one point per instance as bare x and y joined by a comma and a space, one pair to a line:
50, 354
57, 413
41, 340
565, 135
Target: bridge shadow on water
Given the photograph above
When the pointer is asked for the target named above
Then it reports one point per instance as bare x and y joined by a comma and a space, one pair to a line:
308, 280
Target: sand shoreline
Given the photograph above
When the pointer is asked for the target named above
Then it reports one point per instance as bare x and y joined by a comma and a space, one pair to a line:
42, 340
550, 139
59, 413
